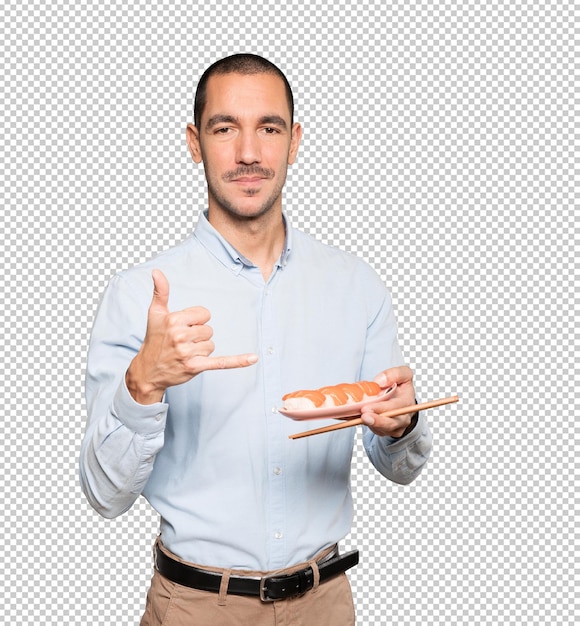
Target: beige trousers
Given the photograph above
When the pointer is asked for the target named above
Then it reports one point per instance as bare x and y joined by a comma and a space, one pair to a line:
170, 604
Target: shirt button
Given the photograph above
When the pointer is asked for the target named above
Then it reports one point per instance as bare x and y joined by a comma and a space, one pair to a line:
274, 409
159, 417
278, 535
270, 350
277, 471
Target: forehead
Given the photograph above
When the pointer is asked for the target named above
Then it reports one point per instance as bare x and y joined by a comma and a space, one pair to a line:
246, 95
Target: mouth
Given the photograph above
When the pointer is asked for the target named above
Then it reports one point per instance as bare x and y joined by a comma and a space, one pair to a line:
249, 183
248, 176
250, 180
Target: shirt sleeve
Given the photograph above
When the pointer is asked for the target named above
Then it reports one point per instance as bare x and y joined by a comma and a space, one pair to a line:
398, 459
122, 437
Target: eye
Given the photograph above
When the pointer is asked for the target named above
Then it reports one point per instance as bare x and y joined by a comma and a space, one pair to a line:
224, 130
270, 130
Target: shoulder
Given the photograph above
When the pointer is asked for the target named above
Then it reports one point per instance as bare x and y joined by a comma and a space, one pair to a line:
136, 283
328, 259
170, 260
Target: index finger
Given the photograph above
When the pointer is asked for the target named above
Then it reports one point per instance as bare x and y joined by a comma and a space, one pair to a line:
192, 316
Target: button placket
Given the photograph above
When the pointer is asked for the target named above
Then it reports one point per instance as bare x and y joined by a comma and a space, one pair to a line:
274, 426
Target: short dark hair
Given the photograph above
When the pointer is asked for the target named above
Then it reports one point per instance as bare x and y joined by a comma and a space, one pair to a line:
238, 64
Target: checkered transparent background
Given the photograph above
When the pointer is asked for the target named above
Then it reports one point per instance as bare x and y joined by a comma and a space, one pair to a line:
439, 145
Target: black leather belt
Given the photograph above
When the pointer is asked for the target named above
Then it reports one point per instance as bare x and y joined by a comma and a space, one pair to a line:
268, 588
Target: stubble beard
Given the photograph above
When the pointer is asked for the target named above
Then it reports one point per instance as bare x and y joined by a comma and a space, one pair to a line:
236, 212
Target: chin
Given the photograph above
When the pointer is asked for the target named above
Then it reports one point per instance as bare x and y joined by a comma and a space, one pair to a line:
247, 210
249, 205
253, 213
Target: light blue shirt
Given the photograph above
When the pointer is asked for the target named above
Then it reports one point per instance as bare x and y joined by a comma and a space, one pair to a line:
214, 458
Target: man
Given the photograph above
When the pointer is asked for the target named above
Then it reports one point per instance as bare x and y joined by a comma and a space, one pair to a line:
186, 413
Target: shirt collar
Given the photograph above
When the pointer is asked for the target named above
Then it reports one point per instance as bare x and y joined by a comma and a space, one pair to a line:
226, 253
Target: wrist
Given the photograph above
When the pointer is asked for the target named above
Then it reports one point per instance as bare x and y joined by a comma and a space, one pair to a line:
141, 391
411, 426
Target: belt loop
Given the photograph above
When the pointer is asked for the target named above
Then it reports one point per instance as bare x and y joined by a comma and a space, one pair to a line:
316, 575
223, 592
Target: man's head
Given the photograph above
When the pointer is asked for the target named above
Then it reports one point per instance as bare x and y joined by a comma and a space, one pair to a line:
239, 64
245, 136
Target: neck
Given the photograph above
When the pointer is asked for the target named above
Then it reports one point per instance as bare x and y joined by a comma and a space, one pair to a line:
260, 239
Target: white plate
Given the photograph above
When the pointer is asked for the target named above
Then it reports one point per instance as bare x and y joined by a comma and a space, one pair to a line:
337, 412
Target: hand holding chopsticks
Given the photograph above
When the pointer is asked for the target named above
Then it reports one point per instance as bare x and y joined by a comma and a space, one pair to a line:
393, 413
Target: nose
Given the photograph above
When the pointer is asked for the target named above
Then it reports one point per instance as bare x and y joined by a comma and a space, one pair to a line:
248, 148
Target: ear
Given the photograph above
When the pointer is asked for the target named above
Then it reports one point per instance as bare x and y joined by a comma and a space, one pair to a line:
192, 138
294, 143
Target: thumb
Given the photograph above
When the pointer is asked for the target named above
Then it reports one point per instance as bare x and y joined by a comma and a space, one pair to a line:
399, 375
381, 380
160, 290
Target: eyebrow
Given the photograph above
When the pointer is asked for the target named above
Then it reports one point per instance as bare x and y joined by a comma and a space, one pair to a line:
220, 118
275, 120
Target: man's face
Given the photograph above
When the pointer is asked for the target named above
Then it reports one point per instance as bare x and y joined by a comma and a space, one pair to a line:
246, 143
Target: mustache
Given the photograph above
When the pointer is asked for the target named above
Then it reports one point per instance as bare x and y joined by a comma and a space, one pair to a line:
251, 170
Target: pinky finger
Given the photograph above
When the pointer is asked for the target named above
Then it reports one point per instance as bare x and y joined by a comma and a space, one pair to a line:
229, 362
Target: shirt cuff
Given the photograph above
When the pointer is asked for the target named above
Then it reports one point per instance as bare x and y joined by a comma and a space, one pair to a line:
144, 419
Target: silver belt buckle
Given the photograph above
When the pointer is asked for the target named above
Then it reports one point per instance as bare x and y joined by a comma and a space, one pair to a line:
264, 579
264, 590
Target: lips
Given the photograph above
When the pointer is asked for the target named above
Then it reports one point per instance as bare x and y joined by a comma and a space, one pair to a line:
248, 175
248, 179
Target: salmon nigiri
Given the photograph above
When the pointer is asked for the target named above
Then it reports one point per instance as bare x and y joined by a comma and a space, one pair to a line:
329, 396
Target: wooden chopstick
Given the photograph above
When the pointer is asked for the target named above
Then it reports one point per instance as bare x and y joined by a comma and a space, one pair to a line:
413, 408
